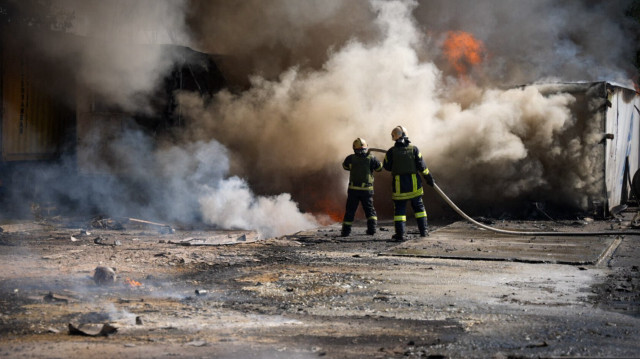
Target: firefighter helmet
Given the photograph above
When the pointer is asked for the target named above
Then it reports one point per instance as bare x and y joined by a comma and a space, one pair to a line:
398, 132
359, 143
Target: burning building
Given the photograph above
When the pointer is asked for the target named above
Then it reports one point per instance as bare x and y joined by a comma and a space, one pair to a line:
160, 125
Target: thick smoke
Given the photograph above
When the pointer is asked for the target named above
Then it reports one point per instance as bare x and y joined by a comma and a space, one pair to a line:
536, 40
526, 41
116, 55
305, 121
483, 143
267, 37
185, 181
184, 184
119, 58
308, 77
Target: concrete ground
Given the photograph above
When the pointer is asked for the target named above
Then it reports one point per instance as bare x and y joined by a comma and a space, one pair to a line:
315, 294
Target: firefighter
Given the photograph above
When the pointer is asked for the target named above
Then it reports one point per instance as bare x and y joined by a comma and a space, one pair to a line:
406, 165
360, 165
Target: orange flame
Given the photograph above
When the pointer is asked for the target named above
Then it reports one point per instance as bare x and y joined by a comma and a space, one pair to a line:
133, 283
331, 209
463, 51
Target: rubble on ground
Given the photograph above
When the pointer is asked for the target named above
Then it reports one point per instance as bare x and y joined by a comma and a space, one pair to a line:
206, 292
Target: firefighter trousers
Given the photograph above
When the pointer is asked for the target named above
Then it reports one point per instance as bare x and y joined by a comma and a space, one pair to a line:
355, 197
400, 209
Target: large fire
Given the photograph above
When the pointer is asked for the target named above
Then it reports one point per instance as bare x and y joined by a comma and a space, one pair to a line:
463, 51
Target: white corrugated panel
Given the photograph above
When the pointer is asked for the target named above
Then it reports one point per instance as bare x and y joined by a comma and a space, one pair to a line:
623, 121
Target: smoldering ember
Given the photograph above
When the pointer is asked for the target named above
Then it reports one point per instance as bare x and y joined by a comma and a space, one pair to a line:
177, 179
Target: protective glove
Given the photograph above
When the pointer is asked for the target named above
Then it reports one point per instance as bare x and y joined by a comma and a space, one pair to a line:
429, 179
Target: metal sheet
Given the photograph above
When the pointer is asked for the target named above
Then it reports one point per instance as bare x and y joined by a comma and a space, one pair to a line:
623, 121
34, 124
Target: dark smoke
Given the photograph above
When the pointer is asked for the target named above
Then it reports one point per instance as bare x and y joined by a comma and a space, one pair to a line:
533, 40
483, 143
268, 37
527, 40
308, 77
115, 52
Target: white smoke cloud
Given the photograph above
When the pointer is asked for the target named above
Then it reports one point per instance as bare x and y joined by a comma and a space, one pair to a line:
199, 173
361, 91
118, 52
497, 145
183, 184
232, 204
323, 74
504, 142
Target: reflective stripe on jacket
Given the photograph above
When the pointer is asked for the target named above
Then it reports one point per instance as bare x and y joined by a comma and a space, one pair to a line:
406, 164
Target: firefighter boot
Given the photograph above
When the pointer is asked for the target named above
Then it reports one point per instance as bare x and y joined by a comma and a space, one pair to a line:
371, 227
346, 230
399, 236
422, 226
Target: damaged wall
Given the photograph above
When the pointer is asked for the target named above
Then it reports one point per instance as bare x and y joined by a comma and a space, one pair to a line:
597, 146
36, 124
623, 151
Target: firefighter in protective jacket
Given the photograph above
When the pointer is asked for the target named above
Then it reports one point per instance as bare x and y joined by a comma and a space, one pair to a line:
360, 165
406, 165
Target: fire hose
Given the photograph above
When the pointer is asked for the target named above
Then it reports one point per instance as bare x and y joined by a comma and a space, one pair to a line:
518, 233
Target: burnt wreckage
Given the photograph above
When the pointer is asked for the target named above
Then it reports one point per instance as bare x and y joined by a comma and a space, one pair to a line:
50, 118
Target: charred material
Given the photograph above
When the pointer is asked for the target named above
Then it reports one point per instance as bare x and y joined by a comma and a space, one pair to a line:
104, 275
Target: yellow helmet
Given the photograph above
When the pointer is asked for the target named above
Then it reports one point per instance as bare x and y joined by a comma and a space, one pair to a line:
359, 143
398, 132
